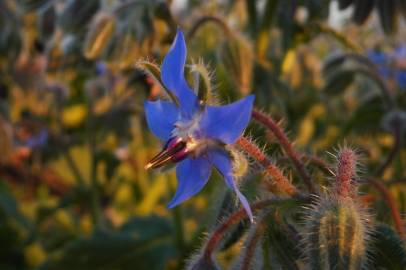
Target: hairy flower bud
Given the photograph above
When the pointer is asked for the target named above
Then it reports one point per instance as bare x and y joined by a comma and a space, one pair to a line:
336, 230
335, 235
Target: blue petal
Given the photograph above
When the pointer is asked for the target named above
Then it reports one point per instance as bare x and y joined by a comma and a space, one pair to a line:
161, 117
172, 75
192, 174
226, 123
222, 161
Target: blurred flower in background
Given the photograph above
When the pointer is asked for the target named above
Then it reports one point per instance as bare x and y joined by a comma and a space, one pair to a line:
391, 66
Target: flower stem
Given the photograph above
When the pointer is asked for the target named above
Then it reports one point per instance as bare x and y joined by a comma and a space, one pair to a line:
390, 201
268, 122
234, 219
209, 18
280, 180
397, 134
96, 209
72, 165
252, 244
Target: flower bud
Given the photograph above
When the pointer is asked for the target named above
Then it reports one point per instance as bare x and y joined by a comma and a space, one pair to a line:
346, 172
335, 235
336, 230
237, 57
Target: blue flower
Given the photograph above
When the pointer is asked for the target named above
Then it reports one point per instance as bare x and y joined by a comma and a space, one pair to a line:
196, 136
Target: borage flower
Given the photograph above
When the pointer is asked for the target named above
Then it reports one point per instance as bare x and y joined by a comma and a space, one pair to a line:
196, 135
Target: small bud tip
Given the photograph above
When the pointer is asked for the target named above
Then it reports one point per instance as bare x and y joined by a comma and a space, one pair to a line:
148, 166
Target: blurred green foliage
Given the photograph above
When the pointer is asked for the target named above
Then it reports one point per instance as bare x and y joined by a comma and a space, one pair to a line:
73, 139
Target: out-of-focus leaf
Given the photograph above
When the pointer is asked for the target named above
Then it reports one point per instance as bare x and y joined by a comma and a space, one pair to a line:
386, 249
402, 5
163, 12
252, 16
77, 14
362, 9
30, 5
99, 35
365, 118
9, 206
124, 51
141, 244
10, 43
387, 11
6, 140
46, 22
262, 40
336, 62
110, 160
283, 247
13, 226
339, 81
286, 20
343, 4
236, 55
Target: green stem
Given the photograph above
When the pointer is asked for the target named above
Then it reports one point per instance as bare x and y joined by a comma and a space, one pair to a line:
72, 165
95, 196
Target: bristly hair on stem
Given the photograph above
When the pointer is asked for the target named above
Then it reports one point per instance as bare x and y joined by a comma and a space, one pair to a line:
253, 243
236, 217
391, 202
345, 172
269, 168
269, 123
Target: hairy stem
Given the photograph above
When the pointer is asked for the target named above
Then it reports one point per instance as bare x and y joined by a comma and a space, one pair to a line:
280, 180
252, 244
390, 201
268, 122
236, 217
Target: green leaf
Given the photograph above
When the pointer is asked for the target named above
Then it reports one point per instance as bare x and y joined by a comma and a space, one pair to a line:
388, 14
30, 5
366, 117
283, 247
339, 81
77, 14
142, 243
386, 249
362, 10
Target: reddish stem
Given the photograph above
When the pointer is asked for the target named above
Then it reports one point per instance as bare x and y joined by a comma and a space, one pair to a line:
286, 145
235, 218
390, 201
230, 221
259, 230
280, 180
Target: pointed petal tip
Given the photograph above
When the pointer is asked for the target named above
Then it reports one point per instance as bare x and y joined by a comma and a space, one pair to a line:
171, 205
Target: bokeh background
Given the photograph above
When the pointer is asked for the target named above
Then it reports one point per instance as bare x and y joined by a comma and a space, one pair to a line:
73, 138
